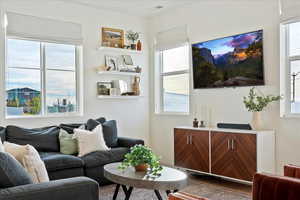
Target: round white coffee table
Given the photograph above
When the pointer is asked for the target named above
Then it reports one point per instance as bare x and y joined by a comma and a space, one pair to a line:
170, 180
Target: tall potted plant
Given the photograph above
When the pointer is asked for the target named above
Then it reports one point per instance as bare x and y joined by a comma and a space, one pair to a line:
256, 104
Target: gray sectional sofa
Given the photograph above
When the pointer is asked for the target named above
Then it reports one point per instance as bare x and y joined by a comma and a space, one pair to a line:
61, 166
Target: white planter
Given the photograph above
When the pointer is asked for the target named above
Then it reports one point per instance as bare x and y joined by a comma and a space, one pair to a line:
257, 123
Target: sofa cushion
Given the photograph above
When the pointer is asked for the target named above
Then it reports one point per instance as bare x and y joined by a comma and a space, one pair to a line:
70, 127
57, 161
68, 145
43, 139
100, 158
11, 172
28, 156
93, 123
2, 134
110, 133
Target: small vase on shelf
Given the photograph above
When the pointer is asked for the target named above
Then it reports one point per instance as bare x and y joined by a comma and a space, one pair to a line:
139, 46
195, 123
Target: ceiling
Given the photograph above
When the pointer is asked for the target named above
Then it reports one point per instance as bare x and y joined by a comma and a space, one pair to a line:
143, 8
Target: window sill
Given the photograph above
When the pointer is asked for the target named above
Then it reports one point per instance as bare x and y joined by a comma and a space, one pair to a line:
45, 116
290, 116
172, 113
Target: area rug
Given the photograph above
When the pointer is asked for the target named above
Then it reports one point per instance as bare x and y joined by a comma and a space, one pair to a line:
214, 189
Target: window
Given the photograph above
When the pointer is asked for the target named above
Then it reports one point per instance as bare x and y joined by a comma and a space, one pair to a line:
290, 68
174, 79
41, 78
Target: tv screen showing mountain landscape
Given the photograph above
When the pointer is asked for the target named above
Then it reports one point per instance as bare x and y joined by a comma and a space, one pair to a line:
229, 62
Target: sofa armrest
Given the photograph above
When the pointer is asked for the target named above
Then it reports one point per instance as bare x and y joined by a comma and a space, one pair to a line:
272, 187
129, 142
73, 188
292, 171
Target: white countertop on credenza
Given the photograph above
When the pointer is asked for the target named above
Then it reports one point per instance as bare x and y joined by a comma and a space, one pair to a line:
227, 130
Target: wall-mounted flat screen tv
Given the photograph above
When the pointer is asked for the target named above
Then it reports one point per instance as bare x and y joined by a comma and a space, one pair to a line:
229, 62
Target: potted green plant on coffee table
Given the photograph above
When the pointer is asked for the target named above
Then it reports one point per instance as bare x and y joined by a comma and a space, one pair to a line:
142, 159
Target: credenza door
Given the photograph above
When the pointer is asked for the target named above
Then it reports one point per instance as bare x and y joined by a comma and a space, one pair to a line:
245, 156
233, 155
221, 154
192, 149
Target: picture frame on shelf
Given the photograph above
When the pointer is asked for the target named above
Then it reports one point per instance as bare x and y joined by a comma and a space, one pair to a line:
112, 37
127, 59
103, 87
111, 62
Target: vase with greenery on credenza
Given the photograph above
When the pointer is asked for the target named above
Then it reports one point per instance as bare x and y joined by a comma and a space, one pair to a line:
256, 103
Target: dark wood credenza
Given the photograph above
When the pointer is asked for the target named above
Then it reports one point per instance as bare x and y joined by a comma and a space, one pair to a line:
234, 154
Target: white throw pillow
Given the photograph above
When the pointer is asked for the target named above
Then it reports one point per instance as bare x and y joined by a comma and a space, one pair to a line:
90, 141
28, 156
1, 147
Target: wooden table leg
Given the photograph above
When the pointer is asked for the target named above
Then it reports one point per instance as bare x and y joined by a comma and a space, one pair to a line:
116, 192
158, 195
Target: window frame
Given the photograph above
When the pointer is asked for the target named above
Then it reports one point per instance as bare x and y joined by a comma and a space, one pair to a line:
285, 70
160, 87
43, 70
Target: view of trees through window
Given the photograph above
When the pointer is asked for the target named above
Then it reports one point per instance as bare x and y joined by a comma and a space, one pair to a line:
40, 78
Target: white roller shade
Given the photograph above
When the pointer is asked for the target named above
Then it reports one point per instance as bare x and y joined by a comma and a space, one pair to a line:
43, 29
289, 9
171, 38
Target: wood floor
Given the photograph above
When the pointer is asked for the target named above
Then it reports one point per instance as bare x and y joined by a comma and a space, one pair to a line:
205, 186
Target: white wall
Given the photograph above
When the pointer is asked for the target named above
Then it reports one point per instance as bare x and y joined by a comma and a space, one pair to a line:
206, 21
132, 115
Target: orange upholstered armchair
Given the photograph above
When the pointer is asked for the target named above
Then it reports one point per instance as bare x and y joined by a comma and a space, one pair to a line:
266, 186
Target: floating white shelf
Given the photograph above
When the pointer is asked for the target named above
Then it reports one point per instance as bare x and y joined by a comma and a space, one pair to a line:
119, 50
118, 97
118, 73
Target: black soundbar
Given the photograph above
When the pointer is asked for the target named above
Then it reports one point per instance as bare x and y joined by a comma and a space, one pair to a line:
234, 126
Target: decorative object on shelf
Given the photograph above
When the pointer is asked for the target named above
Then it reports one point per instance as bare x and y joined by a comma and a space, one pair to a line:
121, 85
136, 86
112, 37
195, 123
256, 104
103, 68
111, 63
138, 69
128, 94
132, 37
104, 87
127, 60
142, 159
114, 92
202, 125
139, 46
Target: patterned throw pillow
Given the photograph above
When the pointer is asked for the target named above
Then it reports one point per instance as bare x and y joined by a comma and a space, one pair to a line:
90, 141
28, 156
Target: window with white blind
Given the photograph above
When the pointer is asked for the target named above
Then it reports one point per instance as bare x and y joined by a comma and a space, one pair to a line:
42, 74
174, 77
290, 68
172, 72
